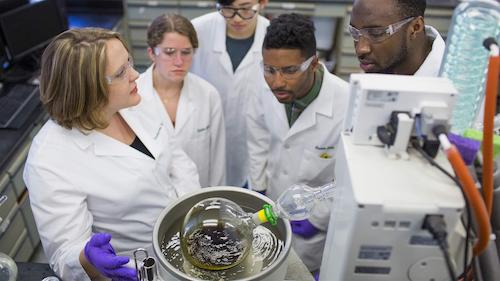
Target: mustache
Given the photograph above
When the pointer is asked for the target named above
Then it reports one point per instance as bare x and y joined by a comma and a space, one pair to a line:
280, 90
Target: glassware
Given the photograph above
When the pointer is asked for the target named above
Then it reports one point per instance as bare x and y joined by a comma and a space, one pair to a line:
8, 268
297, 201
217, 234
465, 60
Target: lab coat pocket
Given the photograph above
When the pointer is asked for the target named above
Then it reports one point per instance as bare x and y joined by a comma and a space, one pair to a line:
317, 166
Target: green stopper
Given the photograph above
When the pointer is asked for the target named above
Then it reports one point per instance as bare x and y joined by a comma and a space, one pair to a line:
270, 215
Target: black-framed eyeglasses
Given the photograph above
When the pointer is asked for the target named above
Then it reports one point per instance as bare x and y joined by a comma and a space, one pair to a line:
230, 12
377, 34
288, 72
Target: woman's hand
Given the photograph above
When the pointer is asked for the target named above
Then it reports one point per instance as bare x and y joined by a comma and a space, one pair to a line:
100, 254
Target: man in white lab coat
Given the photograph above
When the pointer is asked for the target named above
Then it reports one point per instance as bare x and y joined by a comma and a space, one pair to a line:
294, 125
229, 57
390, 36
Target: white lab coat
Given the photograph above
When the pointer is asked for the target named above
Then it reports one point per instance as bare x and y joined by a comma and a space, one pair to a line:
281, 156
81, 184
432, 63
212, 63
199, 127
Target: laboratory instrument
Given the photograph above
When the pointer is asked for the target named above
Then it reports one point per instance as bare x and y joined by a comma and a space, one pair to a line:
386, 191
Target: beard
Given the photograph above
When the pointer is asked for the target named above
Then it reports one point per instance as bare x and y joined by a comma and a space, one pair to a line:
397, 60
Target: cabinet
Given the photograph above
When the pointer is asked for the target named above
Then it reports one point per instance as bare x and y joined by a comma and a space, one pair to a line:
18, 233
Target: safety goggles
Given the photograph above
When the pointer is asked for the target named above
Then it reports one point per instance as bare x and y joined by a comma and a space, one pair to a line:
287, 72
377, 34
172, 53
122, 73
245, 13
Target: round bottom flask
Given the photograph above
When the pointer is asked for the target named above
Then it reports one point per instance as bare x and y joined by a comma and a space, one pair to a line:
216, 234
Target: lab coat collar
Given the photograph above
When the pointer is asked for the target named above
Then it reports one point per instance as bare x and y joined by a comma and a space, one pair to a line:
323, 104
146, 80
432, 63
103, 145
220, 42
185, 107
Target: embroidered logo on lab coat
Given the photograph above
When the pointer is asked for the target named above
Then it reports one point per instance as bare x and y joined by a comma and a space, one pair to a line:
203, 129
158, 131
324, 154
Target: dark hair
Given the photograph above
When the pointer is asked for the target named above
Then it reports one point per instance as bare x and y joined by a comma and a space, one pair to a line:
411, 8
291, 31
225, 2
171, 23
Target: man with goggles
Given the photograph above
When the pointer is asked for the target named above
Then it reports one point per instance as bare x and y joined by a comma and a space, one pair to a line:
229, 57
294, 125
390, 36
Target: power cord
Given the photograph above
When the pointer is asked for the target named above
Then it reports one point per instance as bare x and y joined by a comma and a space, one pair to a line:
416, 146
436, 225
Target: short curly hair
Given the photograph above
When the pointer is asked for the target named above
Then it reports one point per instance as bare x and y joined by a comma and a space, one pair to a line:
291, 31
411, 8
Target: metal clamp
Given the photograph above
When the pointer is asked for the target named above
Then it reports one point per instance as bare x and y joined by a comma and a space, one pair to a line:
147, 271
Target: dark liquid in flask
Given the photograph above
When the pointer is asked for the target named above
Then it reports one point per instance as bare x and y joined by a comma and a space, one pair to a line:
216, 247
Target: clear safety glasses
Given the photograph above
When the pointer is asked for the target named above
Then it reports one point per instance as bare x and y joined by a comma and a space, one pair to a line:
288, 72
377, 34
122, 73
172, 53
245, 13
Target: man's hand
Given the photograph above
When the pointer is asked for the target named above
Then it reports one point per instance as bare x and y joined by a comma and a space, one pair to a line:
304, 228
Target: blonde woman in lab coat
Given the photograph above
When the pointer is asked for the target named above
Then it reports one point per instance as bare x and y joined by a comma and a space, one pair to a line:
229, 57
99, 168
188, 107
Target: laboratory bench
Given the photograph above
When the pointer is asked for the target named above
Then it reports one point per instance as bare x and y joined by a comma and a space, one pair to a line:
28, 271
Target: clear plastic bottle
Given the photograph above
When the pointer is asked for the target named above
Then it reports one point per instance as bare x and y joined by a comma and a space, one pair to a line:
8, 268
465, 59
297, 201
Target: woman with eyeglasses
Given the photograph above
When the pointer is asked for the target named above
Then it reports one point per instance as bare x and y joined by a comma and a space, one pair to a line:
98, 169
229, 57
188, 107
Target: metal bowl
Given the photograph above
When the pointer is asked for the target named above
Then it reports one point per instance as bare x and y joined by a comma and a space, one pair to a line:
248, 200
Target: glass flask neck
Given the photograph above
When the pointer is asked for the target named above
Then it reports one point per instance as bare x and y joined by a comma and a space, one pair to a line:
325, 191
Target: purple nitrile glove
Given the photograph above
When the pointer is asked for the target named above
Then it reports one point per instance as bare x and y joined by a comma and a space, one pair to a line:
102, 256
316, 275
304, 228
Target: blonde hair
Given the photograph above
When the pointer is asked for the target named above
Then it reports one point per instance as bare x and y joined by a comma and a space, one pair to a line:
171, 23
73, 87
